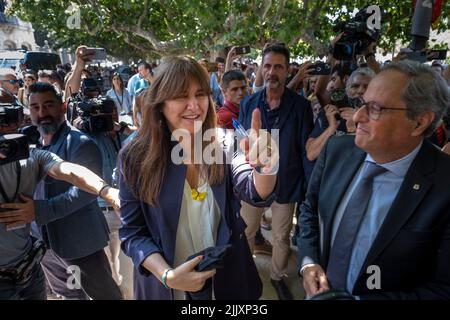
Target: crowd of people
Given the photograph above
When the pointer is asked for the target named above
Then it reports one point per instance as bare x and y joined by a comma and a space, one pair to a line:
356, 157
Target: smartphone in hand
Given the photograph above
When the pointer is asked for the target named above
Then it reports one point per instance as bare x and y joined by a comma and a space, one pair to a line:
320, 68
239, 49
97, 54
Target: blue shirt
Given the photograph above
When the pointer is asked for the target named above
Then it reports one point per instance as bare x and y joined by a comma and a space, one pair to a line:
385, 189
132, 84
215, 88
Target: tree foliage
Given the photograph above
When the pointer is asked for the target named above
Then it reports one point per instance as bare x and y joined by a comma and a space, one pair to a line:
136, 28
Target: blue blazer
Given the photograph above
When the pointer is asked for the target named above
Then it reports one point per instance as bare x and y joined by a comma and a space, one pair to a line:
70, 219
150, 229
295, 124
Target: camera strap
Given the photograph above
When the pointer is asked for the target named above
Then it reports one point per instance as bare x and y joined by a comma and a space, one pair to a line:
117, 146
2, 190
117, 97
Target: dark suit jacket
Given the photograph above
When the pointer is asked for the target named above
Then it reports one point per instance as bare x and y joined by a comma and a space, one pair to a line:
70, 219
295, 124
150, 229
412, 247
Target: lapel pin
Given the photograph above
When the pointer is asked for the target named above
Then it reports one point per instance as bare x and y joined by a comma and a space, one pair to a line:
416, 187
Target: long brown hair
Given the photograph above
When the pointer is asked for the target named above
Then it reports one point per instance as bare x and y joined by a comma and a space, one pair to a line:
145, 159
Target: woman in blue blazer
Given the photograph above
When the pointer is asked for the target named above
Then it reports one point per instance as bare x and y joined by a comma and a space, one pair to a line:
176, 202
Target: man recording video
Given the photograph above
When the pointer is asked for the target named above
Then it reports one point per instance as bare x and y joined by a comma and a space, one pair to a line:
97, 117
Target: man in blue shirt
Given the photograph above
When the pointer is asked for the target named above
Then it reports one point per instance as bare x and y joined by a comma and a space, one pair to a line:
376, 219
281, 109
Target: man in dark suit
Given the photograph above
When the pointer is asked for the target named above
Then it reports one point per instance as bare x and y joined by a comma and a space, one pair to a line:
376, 219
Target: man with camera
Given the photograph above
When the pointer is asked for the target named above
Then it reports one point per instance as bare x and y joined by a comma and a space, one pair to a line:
69, 221
21, 169
98, 118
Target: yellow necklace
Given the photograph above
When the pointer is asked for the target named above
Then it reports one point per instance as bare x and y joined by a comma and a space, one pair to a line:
199, 196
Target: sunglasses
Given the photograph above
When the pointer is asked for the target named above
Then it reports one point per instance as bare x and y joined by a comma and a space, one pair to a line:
12, 81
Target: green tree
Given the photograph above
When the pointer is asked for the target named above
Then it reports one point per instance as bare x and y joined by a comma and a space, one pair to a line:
152, 28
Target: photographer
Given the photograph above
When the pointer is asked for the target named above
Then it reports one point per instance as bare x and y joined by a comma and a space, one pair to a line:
337, 117
21, 169
71, 223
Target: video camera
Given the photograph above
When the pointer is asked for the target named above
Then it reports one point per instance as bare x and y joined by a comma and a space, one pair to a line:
10, 114
95, 111
13, 147
357, 36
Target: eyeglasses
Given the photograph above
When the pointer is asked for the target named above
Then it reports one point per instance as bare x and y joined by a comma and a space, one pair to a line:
12, 81
374, 109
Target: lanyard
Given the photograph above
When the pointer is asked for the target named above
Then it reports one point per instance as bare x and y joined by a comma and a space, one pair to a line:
2, 190
123, 97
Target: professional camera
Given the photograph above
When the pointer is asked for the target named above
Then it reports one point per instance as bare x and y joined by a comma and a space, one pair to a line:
340, 99
13, 147
356, 38
10, 114
96, 113
90, 88
32, 134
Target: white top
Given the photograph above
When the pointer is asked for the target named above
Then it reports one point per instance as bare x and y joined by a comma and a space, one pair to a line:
197, 226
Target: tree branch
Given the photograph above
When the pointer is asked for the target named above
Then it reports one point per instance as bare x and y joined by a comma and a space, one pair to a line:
126, 38
307, 35
315, 12
278, 15
262, 11
143, 15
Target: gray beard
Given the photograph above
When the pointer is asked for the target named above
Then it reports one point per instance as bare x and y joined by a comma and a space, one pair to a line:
48, 128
